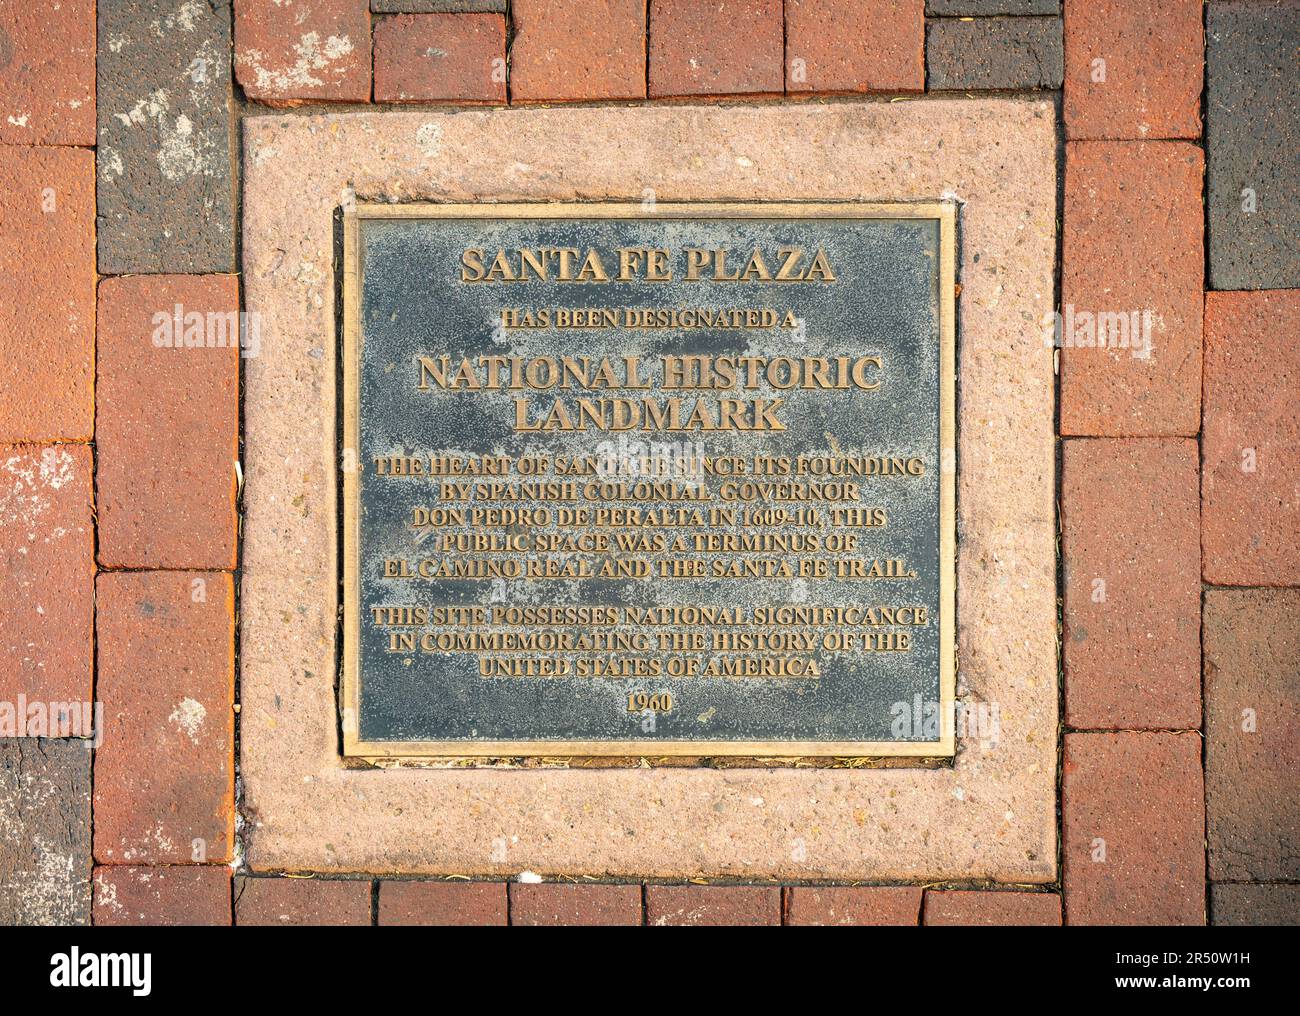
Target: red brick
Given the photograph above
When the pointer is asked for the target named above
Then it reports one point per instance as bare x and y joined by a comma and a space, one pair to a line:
164, 773
1250, 448
441, 58
710, 47
1133, 826
1130, 541
994, 907
574, 904
189, 894
846, 46
853, 905
167, 431
443, 903
292, 51
47, 73
725, 905
1252, 734
565, 52
1154, 57
47, 276
1133, 232
302, 901
47, 574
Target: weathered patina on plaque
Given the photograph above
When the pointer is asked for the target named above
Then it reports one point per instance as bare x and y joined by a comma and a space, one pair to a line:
662, 480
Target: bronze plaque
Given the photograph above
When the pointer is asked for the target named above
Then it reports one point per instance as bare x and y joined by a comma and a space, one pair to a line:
648, 481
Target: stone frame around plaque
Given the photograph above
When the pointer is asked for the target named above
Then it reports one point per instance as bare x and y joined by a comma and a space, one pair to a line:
641, 752
991, 814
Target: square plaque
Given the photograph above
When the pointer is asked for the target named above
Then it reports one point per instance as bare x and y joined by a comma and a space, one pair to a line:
648, 480
990, 814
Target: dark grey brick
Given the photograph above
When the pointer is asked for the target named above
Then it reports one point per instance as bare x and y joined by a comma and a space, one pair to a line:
994, 53
984, 8
1273, 905
45, 860
164, 166
438, 6
1251, 667
1252, 133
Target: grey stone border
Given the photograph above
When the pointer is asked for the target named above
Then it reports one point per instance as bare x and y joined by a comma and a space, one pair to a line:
991, 816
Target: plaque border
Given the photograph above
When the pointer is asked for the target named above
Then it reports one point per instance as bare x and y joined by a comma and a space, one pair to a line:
736, 752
